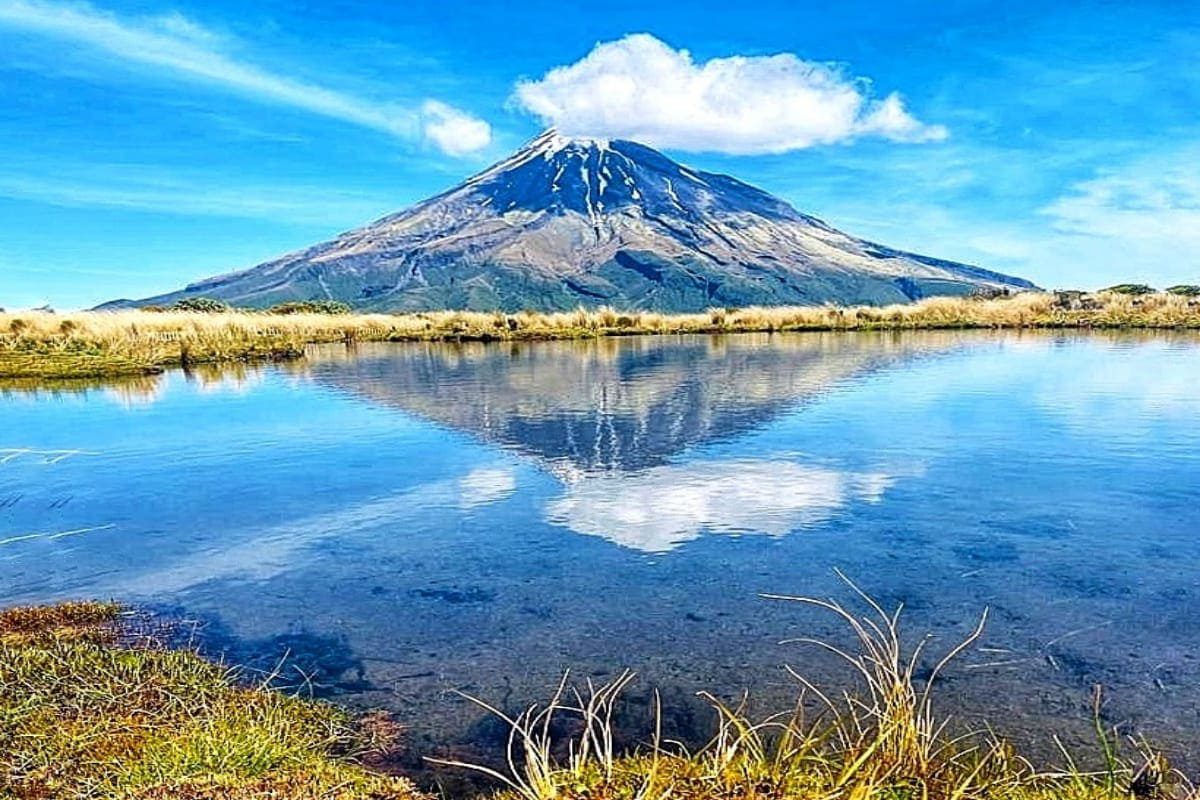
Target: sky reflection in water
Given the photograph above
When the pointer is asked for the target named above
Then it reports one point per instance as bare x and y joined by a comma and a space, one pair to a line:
428, 517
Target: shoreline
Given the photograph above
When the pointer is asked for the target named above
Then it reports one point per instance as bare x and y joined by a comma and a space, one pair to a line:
98, 344
95, 702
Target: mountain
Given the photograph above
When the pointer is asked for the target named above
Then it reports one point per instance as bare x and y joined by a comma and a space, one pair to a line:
569, 222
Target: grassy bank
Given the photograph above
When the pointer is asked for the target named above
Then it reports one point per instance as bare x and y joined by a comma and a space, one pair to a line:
89, 711
94, 344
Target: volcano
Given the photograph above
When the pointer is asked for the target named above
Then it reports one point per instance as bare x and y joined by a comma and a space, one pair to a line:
568, 222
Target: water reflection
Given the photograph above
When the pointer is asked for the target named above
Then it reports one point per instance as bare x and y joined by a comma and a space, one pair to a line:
422, 518
658, 509
607, 417
132, 391
269, 551
606, 405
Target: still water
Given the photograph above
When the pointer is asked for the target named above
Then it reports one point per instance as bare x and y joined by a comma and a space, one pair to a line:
400, 521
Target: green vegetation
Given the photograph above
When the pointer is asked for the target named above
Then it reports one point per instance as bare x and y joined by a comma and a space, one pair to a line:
43, 345
311, 307
1135, 289
204, 305
90, 709
1184, 290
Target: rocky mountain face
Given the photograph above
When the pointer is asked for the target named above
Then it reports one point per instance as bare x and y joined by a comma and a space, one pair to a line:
566, 222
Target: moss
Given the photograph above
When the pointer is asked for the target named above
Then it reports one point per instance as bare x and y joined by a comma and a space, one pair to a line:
35, 621
91, 707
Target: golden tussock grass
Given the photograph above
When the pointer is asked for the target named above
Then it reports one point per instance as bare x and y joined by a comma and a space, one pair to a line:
97, 344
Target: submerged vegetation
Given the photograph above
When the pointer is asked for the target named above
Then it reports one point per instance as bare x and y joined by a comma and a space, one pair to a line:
885, 742
97, 344
89, 710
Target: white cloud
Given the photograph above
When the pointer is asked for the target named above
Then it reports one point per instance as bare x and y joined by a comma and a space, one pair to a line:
181, 47
890, 119
642, 89
660, 508
454, 132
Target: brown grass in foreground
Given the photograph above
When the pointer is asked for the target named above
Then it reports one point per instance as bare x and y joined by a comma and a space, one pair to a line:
98, 344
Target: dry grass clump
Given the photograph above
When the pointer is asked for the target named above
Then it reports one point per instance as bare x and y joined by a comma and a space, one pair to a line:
25, 624
883, 743
98, 344
87, 713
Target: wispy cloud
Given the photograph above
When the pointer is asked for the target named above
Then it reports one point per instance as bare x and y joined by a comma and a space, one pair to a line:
455, 132
134, 189
1136, 221
1078, 216
264, 552
640, 88
188, 50
1146, 202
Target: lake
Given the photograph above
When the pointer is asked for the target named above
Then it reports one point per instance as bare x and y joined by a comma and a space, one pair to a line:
390, 524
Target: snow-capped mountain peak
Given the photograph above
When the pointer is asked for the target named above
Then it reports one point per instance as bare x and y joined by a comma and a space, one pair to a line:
569, 221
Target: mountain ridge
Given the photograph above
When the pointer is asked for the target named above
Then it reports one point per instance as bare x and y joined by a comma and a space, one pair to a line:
567, 222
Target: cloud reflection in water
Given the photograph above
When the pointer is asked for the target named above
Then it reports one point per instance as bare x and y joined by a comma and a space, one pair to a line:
658, 509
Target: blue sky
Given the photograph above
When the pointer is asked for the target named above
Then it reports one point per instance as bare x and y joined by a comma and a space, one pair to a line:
148, 144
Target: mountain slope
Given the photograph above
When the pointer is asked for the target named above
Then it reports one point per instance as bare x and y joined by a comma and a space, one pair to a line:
570, 222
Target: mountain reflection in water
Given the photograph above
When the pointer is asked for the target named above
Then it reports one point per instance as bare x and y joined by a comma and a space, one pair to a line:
616, 403
607, 416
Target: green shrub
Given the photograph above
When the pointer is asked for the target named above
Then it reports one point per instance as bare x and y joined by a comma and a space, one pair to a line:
311, 307
205, 305
1130, 288
1185, 290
